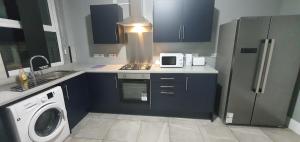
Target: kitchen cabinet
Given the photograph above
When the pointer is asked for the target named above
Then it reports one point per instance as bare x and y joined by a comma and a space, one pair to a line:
167, 20
200, 93
76, 96
104, 20
104, 92
191, 95
183, 20
167, 93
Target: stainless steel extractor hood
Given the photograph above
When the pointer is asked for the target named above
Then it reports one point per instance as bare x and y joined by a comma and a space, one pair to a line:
136, 17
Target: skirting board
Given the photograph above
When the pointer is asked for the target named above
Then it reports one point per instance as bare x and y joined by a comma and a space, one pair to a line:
295, 126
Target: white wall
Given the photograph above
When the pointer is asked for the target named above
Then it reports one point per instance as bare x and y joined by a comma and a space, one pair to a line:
77, 12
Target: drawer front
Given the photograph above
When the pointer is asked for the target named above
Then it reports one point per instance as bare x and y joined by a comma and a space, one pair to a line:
168, 91
168, 81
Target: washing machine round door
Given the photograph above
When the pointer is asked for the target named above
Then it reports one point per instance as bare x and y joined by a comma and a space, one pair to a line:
47, 123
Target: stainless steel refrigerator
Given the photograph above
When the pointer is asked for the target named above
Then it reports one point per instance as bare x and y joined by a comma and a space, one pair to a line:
258, 60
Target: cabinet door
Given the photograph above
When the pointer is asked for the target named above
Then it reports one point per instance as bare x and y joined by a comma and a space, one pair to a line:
104, 23
167, 20
197, 20
76, 99
201, 91
104, 92
167, 93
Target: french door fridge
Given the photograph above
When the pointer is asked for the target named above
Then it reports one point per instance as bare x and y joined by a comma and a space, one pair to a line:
258, 59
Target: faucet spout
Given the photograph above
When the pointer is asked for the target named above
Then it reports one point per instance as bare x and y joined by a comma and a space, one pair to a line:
31, 65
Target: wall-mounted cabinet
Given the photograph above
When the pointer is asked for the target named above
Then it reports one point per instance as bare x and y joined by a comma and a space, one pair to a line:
104, 20
183, 20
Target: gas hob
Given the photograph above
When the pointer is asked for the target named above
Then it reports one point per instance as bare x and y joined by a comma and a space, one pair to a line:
136, 67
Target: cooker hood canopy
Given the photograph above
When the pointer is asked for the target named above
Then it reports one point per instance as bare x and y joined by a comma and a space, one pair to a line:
136, 17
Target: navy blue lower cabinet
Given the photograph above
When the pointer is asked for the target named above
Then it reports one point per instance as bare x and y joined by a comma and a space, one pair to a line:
167, 93
185, 95
103, 89
76, 96
201, 93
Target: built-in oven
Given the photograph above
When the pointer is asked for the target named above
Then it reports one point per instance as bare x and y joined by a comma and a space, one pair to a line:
134, 87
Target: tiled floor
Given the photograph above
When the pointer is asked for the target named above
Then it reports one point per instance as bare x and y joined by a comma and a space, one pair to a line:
100, 127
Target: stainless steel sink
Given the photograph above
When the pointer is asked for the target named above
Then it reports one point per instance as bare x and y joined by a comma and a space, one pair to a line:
55, 75
40, 80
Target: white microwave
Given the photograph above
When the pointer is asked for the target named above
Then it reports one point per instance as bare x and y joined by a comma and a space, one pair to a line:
171, 60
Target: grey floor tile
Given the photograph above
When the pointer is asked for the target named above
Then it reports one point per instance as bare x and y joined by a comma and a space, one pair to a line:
72, 139
184, 131
281, 135
183, 121
154, 132
217, 134
206, 122
95, 128
249, 134
124, 130
143, 118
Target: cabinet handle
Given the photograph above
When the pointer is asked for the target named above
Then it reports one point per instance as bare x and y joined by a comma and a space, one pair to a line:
170, 78
167, 93
116, 34
166, 86
186, 83
179, 33
116, 80
183, 32
67, 91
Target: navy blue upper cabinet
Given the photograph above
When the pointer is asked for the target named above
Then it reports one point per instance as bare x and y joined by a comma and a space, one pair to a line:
167, 20
198, 18
183, 20
104, 23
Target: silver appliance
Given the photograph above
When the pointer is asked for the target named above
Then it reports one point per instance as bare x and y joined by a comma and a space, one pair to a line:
134, 87
258, 60
132, 66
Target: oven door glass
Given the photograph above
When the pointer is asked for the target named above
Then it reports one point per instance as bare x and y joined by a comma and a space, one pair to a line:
134, 90
168, 60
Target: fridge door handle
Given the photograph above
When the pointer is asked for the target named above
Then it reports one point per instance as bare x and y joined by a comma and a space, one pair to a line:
261, 68
268, 65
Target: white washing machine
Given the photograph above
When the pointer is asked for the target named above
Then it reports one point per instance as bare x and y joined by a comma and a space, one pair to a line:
41, 118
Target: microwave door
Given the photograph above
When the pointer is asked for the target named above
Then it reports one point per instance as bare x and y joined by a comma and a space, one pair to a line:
169, 60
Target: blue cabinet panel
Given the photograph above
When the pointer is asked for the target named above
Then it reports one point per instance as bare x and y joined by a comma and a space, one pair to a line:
197, 20
201, 91
76, 96
183, 20
183, 94
104, 92
104, 20
167, 20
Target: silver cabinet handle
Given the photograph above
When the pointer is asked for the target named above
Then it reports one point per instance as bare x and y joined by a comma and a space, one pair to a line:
167, 93
186, 83
116, 80
261, 68
183, 32
268, 65
67, 91
170, 78
116, 34
167, 86
179, 33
